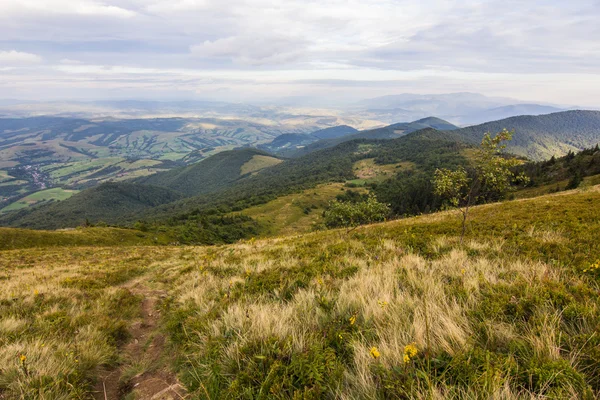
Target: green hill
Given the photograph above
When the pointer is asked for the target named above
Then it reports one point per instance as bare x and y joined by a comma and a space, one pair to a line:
288, 143
109, 202
543, 136
426, 148
389, 132
211, 174
222, 189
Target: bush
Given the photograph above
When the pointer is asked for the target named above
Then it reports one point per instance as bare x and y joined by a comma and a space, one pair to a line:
351, 214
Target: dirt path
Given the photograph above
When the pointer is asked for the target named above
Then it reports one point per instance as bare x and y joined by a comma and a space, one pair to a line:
144, 352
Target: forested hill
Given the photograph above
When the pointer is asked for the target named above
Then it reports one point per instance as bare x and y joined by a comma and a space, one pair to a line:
212, 173
109, 202
288, 143
388, 132
420, 149
543, 136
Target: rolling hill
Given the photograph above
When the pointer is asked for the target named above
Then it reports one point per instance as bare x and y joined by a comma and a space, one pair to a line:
38, 153
289, 142
218, 182
109, 202
235, 180
543, 136
389, 132
213, 173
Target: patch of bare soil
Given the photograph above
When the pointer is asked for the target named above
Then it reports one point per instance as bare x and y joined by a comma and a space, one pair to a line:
146, 347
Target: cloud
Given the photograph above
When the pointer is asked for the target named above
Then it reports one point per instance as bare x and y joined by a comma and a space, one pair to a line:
252, 50
29, 8
14, 57
307, 47
68, 61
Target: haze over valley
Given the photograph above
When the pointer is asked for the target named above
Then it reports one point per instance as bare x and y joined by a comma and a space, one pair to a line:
299, 199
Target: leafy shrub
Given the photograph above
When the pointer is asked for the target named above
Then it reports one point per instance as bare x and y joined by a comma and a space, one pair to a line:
351, 214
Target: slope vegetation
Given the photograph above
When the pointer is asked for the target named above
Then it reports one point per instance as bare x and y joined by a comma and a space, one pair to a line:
389, 132
395, 310
222, 189
543, 136
211, 174
109, 203
289, 142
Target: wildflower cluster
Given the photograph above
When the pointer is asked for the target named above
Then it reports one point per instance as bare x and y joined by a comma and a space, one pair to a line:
410, 352
595, 267
382, 303
374, 352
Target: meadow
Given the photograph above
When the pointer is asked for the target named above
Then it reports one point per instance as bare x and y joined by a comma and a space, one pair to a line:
393, 310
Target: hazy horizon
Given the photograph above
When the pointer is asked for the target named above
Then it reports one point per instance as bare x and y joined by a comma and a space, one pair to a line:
329, 52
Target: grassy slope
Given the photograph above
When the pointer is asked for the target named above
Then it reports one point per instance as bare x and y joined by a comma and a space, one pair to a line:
210, 174
257, 163
514, 312
14, 238
295, 213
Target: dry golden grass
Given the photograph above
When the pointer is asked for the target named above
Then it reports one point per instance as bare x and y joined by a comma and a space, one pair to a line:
510, 314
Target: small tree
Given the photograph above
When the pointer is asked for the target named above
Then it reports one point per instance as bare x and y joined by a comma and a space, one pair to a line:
575, 181
489, 177
351, 214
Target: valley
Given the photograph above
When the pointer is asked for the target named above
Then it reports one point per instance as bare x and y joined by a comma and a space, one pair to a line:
299, 200
218, 272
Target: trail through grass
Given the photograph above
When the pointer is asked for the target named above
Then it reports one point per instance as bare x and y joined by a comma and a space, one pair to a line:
393, 310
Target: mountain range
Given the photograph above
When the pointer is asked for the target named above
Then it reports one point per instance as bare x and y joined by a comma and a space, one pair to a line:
458, 108
238, 179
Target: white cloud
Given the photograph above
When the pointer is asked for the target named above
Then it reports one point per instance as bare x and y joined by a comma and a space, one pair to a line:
252, 50
14, 57
549, 47
29, 8
69, 61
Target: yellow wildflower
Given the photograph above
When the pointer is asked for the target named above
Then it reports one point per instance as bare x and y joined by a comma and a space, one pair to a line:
374, 352
352, 319
340, 336
23, 358
410, 352
382, 303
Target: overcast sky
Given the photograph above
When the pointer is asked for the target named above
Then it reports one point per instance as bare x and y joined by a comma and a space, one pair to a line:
250, 50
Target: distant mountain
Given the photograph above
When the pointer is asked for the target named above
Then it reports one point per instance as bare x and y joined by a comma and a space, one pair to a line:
389, 132
212, 173
334, 132
435, 104
458, 108
513, 110
543, 136
109, 202
290, 142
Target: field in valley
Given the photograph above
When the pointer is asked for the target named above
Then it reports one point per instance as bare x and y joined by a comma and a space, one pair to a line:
394, 310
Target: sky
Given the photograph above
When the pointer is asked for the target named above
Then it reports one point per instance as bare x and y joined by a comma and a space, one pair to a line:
327, 50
